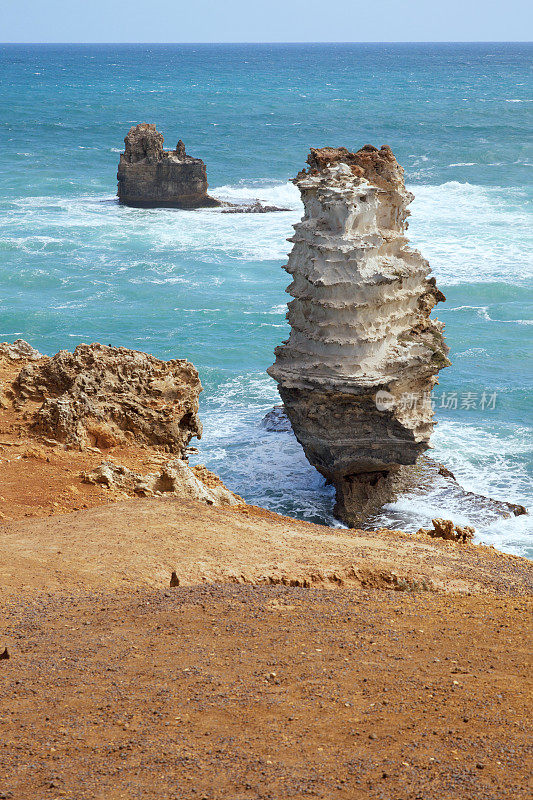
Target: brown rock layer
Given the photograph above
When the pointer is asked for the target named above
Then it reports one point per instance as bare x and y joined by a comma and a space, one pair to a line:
445, 529
59, 416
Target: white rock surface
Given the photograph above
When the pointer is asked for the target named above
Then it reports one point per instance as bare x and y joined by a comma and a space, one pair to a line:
19, 349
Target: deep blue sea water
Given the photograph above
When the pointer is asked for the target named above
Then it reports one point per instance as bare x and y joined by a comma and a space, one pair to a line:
75, 266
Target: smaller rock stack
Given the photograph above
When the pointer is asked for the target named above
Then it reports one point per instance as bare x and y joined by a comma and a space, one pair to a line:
150, 177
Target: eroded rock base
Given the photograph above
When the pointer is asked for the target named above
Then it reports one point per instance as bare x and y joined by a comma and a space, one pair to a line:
358, 496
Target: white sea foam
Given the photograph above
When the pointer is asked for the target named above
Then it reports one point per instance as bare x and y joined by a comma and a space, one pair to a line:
266, 468
487, 461
284, 195
482, 311
464, 231
204, 233
512, 534
479, 352
480, 457
484, 462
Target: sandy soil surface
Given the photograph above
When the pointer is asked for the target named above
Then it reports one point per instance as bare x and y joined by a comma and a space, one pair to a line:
292, 661
359, 683
244, 692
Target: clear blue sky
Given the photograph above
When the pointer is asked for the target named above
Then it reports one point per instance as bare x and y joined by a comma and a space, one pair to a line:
265, 20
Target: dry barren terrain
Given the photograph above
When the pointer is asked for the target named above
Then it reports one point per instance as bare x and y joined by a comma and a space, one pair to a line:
291, 661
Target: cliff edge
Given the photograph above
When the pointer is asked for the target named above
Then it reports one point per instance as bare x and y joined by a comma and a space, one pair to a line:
98, 424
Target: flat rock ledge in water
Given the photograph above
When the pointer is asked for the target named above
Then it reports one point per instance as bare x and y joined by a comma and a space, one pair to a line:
276, 421
150, 177
254, 207
362, 342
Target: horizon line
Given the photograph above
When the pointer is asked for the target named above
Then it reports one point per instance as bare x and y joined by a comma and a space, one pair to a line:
331, 41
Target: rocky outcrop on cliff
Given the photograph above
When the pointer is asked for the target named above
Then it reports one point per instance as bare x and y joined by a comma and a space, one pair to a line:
175, 478
60, 414
19, 350
363, 354
445, 529
149, 176
105, 396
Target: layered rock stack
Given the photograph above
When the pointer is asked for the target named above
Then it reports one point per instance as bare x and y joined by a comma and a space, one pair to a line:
363, 354
150, 177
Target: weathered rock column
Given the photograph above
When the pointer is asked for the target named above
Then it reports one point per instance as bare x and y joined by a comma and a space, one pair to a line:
363, 354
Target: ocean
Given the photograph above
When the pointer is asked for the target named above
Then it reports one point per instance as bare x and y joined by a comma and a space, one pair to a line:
75, 266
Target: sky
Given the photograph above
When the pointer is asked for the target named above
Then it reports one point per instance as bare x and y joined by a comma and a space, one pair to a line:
265, 20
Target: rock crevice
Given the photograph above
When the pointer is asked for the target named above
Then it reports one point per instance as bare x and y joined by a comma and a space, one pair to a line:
363, 354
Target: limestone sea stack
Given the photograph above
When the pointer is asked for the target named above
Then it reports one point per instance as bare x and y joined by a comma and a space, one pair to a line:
150, 177
363, 354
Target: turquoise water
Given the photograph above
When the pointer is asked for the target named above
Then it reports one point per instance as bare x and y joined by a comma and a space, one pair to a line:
74, 266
